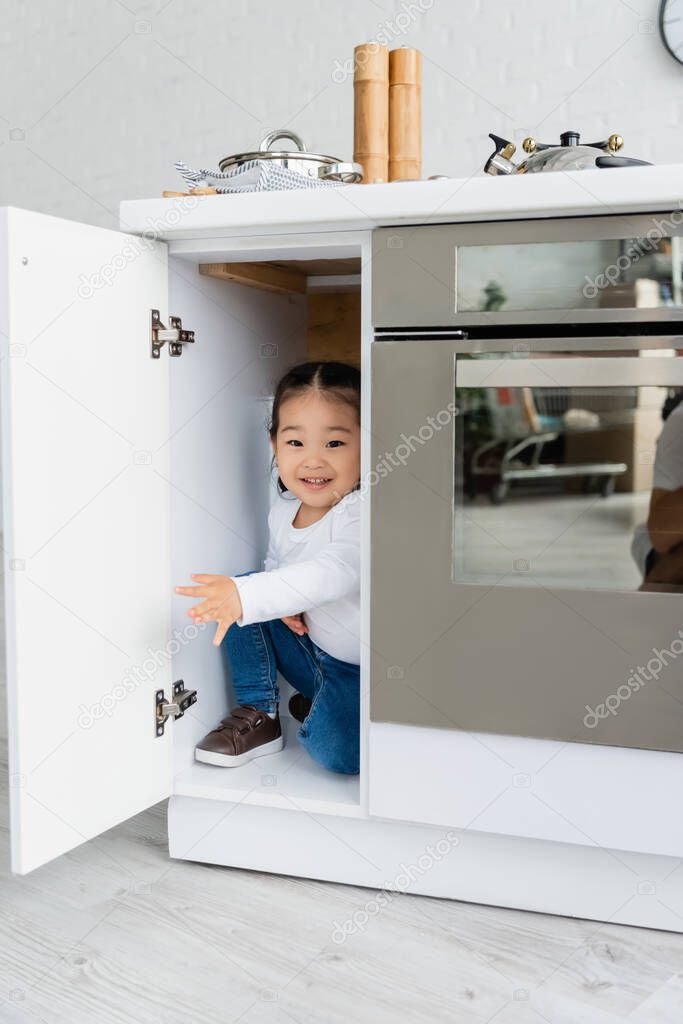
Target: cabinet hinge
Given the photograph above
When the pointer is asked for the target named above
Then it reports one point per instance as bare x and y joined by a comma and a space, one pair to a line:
174, 334
182, 699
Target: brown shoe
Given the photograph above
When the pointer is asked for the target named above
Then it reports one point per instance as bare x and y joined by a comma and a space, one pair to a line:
247, 732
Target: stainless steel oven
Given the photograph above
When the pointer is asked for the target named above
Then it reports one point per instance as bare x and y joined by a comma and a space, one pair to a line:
519, 372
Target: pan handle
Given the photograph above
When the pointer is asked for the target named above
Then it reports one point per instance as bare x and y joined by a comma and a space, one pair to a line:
348, 173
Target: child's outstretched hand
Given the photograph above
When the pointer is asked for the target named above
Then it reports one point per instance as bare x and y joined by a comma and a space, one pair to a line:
296, 623
220, 602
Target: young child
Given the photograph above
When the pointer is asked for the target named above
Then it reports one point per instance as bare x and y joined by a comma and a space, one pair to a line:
301, 615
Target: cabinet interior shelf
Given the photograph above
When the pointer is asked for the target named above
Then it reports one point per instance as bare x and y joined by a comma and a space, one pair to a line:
290, 780
294, 277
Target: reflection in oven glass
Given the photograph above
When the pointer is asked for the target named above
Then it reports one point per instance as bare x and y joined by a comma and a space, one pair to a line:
569, 487
613, 273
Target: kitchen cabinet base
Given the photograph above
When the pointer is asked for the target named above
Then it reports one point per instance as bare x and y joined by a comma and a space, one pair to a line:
386, 856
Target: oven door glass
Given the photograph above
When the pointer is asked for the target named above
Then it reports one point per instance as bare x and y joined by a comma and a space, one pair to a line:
555, 272
512, 599
599, 274
556, 459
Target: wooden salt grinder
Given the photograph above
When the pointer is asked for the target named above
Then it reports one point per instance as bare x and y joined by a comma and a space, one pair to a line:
371, 111
405, 114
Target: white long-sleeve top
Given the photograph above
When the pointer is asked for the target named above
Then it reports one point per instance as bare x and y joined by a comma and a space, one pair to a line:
314, 570
667, 476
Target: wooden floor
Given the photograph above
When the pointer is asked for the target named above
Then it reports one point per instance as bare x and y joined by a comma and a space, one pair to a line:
117, 933
574, 540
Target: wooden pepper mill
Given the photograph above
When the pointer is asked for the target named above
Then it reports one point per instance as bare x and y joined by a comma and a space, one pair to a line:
371, 111
405, 114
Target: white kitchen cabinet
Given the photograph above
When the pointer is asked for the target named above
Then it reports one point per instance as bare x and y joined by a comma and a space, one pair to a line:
122, 474
125, 474
86, 531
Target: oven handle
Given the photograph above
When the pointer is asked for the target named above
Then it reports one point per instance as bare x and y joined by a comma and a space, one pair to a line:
590, 371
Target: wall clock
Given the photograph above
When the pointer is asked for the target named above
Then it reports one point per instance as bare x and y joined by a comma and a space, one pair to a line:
671, 27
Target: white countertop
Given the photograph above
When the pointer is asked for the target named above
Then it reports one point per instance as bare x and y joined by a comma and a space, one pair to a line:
354, 207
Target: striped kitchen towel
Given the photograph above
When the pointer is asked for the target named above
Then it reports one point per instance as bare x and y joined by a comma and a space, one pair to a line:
252, 176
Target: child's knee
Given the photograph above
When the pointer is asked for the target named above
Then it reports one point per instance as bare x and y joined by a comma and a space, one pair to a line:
238, 638
341, 756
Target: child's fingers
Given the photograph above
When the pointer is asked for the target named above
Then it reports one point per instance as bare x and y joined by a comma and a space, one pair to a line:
220, 633
193, 591
209, 609
295, 623
202, 610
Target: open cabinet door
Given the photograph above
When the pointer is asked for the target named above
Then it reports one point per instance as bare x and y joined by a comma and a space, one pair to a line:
86, 529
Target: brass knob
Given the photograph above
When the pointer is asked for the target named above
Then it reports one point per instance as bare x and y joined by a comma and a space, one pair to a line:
615, 143
529, 145
508, 151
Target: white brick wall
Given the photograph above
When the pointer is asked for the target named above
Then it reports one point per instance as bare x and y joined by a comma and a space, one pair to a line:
99, 97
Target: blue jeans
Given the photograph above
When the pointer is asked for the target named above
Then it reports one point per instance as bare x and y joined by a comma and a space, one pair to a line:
331, 731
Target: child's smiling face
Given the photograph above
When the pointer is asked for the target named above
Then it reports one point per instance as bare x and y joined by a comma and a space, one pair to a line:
317, 448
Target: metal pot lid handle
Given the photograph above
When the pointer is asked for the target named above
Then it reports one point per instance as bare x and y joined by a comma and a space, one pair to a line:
620, 161
348, 173
282, 133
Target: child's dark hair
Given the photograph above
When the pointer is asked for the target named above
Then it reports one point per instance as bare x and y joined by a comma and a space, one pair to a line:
336, 380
